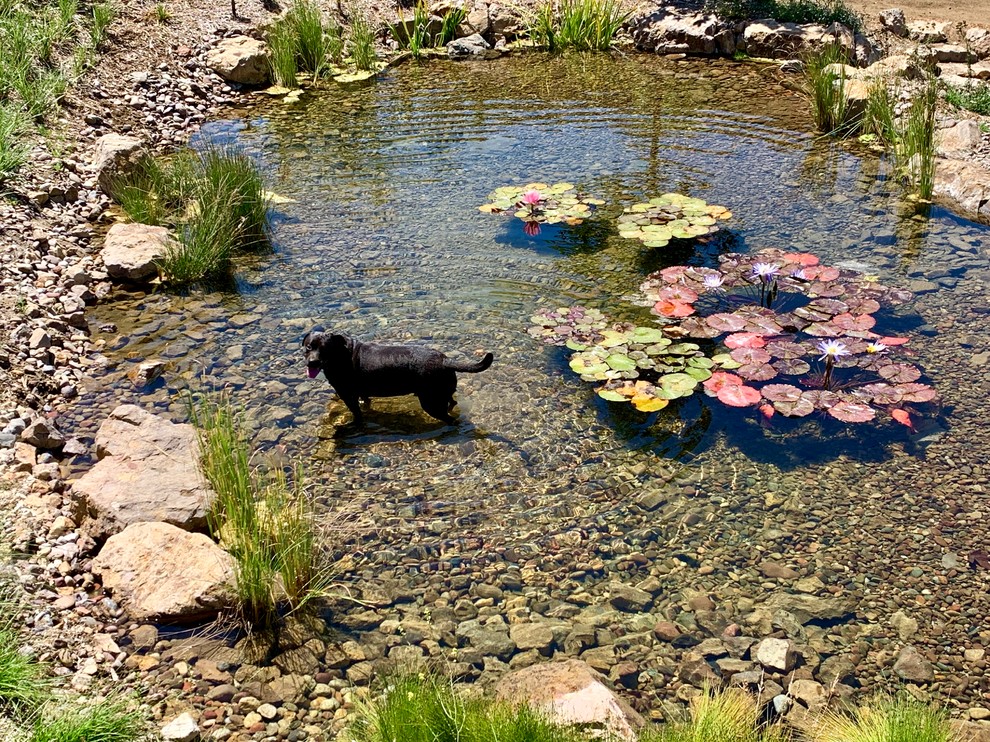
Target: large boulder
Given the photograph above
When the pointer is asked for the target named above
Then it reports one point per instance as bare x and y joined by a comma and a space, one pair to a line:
978, 42
148, 471
965, 183
130, 251
960, 139
163, 574
116, 156
669, 30
768, 38
240, 59
571, 692
469, 46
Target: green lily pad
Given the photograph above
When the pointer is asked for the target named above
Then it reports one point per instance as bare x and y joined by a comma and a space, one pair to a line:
618, 362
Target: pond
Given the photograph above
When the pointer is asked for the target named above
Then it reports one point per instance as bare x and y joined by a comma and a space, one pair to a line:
382, 238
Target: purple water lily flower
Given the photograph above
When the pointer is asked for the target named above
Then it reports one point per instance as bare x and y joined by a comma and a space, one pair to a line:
799, 274
765, 271
713, 280
832, 349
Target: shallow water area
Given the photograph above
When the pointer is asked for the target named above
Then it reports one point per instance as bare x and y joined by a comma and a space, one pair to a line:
382, 239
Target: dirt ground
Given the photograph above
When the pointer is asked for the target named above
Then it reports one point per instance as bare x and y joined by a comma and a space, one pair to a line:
969, 12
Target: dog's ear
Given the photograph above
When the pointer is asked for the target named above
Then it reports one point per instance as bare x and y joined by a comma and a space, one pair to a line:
341, 342
313, 339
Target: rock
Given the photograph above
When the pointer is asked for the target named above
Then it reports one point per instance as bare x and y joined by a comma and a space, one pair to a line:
768, 38
476, 22
857, 94
905, 626
43, 434
485, 640
130, 250
182, 728
536, 636
928, 32
836, 669
954, 53
910, 665
240, 59
505, 20
469, 46
669, 30
666, 631
810, 608
959, 140
147, 472
811, 694
965, 183
163, 574
893, 20
628, 598
894, 66
571, 692
778, 571
115, 157
775, 654
969, 731
978, 42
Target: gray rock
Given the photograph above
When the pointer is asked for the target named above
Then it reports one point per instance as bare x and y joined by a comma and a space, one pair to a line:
130, 251
469, 46
115, 157
536, 636
978, 42
240, 59
959, 140
893, 20
905, 626
147, 471
571, 692
161, 573
910, 665
628, 598
485, 640
768, 38
669, 30
42, 434
810, 608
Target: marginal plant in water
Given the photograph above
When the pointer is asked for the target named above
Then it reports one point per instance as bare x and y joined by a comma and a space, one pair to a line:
825, 86
540, 203
796, 336
670, 216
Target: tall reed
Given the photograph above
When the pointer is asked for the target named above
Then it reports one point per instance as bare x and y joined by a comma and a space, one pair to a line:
449, 24
825, 87
414, 35
282, 46
582, 25
917, 147
362, 44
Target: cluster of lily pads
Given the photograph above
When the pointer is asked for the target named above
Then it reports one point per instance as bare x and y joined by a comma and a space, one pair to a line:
672, 215
540, 203
795, 337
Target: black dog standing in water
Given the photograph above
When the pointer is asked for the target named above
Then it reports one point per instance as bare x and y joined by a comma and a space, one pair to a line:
359, 371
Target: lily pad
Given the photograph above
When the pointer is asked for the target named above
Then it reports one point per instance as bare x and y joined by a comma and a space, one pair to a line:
738, 395
900, 373
537, 203
852, 412
670, 216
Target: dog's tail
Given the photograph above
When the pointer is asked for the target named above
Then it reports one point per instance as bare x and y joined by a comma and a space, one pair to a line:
472, 368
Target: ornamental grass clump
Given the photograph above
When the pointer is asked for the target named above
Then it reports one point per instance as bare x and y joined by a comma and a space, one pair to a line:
726, 716
215, 202
426, 708
24, 684
917, 147
582, 25
900, 719
262, 517
825, 87
362, 44
110, 720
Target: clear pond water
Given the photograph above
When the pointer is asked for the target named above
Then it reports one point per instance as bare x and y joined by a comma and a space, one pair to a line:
383, 239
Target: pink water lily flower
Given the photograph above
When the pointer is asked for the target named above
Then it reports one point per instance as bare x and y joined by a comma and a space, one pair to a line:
531, 198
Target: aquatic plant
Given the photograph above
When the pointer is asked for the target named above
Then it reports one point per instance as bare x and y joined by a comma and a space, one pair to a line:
414, 36
900, 719
540, 203
917, 148
582, 25
449, 24
731, 715
797, 337
825, 88
670, 216
362, 44
109, 720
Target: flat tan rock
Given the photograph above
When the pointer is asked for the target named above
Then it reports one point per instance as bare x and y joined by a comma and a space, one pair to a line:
571, 692
130, 251
240, 59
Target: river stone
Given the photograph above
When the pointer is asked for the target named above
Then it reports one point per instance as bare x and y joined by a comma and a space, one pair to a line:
669, 30
959, 140
905, 626
910, 665
965, 183
628, 598
487, 641
810, 608
775, 654
115, 157
893, 20
469, 46
43, 434
163, 574
536, 636
182, 728
148, 471
571, 692
130, 250
240, 59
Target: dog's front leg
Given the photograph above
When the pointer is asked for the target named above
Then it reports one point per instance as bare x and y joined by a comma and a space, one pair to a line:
354, 407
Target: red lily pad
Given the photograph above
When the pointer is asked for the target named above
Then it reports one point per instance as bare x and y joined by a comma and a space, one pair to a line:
822, 399
821, 273
852, 412
674, 273
726, 322
826, 290
893, 341
900, 373
830, 307
719, 379
668, 308
738, 395
902, 417
854, 323
698, 327
744, 340
781, 392
805, 259
757, 371
680, 294
750, 355
916, 392
786, 349
791, 366
863, 305
800, 407
881, 393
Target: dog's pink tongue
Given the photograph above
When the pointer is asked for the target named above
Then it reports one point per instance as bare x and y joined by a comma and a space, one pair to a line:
312, 371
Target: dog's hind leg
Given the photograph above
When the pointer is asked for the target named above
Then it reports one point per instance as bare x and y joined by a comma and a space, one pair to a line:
438, 407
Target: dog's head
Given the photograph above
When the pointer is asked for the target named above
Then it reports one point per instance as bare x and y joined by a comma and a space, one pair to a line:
320, 347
